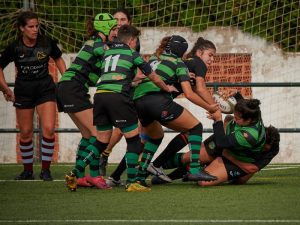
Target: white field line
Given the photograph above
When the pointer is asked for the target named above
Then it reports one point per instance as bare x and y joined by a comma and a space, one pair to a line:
150, 221
38, 180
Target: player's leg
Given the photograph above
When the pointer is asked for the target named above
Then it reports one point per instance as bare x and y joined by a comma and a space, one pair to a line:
187, 122
25, 122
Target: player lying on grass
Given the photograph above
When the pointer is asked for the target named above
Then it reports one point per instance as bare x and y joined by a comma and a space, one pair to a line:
239, 153
270, 150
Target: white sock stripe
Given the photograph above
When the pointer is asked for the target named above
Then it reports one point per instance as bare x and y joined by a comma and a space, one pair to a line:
27, 153
25, 147
46, 158
27, 160
47, 150
51, 144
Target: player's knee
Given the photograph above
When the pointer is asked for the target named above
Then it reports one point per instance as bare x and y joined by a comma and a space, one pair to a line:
198, 129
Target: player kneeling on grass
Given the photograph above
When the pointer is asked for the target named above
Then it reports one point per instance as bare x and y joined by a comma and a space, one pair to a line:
235, 154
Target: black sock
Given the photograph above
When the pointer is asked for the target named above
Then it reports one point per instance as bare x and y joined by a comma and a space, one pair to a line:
176, 144
178, 173
119, 170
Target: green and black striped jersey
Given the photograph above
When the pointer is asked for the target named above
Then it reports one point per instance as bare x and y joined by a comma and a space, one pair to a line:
118, 68
171, 70
87, 65
248, 141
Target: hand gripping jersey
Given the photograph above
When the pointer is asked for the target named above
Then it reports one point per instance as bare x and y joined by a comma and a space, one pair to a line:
171, 70
31, 62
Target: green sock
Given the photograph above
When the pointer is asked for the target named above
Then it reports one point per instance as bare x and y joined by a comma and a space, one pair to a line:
94, 165
195, 145
131, 162
174, 162
150, 148
81, 153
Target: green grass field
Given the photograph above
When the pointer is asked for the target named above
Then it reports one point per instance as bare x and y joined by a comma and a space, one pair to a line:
271, 197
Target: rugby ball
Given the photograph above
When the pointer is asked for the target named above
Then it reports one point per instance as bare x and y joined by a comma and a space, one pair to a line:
226, 106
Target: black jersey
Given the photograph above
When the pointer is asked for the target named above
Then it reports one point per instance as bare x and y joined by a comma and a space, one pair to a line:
196, 66
31, 62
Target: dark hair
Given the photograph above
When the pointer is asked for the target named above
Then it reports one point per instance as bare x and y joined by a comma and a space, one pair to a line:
163, 44
201, 44
248, 109
90, 27
24, 17
124, 11
126, 32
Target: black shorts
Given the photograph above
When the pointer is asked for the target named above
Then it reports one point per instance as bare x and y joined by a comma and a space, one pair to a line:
233, 171
30, 93
72, 97
114, 109
211, 147
157, 106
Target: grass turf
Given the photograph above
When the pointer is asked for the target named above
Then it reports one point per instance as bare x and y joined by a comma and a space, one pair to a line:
270, 196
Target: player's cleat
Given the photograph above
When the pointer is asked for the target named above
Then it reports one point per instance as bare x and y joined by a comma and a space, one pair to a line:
158, 172
136, 187
142, 182
25, 175
156, 181
45, 175
200, 176
114, 183
102, 165
71, 181
99, 182
82, 182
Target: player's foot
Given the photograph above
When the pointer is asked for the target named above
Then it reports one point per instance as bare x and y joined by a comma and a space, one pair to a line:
143, 183
25, 175
45, 175
201, 175
71, 181
114, 183
156, 180
158, 172
82, 182
136, 187
102, 165
99, 182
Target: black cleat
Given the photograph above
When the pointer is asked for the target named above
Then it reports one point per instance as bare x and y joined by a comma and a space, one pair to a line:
200, 176
156, 181
25, 175
45, 175
143, 183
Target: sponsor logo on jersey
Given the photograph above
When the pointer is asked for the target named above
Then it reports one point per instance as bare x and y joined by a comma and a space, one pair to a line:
41, 55
245, 135
121, 121
21, 56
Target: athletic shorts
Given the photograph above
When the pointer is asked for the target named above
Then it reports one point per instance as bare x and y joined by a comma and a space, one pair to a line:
114, 109
72, 97
30, 93
211, 147
157, 106
233, 171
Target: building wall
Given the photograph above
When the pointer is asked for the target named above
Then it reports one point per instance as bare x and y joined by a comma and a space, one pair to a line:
241, 58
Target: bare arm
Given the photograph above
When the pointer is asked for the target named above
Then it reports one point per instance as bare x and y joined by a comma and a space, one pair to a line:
160, 83
7, 92
202, 90
60, 63
196, 99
